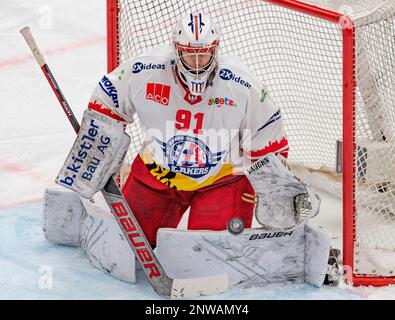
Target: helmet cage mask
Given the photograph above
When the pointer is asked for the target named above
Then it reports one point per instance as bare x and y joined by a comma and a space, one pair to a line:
195, 43
196, 65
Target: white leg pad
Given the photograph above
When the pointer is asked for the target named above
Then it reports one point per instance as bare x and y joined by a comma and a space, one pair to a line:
318, 243
253, 258
62, 216
103, 242
72, 220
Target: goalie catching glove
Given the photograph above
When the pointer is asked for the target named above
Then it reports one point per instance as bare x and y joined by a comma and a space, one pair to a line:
283, 201
96, 155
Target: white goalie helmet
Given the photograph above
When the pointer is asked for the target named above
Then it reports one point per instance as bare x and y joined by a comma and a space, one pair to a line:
195, 40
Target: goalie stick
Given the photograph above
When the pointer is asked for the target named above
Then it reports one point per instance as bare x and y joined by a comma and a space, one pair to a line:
157, 277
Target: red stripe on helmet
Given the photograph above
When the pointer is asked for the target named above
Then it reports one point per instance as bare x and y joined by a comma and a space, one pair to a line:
196, 28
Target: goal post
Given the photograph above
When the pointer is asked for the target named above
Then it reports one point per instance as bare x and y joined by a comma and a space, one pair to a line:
330, 67
112, 35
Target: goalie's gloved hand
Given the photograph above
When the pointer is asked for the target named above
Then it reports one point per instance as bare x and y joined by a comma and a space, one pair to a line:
283, 201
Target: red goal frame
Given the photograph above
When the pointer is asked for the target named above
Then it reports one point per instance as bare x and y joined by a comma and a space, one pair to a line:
349, 102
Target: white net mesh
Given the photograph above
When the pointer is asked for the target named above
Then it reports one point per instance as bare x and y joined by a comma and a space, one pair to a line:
375, 159
300, 60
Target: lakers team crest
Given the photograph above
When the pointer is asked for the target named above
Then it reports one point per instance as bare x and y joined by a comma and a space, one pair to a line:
189, 156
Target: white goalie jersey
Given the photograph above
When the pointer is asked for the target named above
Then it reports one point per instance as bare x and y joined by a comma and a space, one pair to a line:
193, 140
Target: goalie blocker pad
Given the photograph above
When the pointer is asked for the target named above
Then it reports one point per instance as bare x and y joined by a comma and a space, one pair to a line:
253, 258
96, 155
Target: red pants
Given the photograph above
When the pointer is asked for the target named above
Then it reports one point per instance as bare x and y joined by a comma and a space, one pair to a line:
155, 205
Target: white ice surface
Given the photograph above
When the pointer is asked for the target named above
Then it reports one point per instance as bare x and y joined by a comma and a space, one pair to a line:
35, 138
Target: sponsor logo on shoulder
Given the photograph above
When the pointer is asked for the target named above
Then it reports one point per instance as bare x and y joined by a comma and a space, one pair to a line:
110, 90
159, 93
270, 235
263, 95
139, 66
226, 74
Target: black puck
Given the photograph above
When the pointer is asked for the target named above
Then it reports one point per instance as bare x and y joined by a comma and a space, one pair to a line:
235, 226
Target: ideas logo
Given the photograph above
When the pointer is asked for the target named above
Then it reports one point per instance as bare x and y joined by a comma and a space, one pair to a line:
139, 66
159, 93
226, 74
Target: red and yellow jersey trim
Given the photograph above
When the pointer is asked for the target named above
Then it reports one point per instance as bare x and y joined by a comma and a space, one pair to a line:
276, 147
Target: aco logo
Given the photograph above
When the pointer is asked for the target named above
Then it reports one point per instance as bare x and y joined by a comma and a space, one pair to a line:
159, 93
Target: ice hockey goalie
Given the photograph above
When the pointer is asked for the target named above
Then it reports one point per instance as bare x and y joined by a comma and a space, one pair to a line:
215, 147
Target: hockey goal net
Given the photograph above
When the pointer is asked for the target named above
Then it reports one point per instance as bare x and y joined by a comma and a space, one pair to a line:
330, 67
